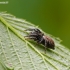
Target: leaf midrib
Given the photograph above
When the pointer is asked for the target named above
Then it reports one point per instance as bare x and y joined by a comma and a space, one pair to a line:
22, 38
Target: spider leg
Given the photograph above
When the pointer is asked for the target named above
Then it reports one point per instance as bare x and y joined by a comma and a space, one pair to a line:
29, 29
30, 37
35, 30
33, 34
45, 46
41, 40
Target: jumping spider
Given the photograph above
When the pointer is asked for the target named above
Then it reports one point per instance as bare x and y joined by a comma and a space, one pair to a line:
40, 38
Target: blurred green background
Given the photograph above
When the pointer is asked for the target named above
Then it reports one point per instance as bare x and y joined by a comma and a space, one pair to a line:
53, 16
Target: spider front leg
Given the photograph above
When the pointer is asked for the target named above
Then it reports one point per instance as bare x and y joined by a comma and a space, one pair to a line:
30, 30
29, 37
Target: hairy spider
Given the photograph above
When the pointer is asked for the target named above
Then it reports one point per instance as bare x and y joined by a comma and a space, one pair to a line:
40, 38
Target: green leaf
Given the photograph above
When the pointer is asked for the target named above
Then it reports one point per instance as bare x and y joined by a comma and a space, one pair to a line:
18, 53
3, 66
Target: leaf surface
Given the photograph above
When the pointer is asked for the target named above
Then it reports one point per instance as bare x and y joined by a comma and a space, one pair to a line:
19, 53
